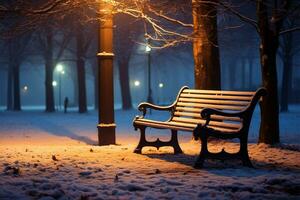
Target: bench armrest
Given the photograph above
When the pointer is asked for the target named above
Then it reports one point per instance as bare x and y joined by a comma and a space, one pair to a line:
144, 106
207, 112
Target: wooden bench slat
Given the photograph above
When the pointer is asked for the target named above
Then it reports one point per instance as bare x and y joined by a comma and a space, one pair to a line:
240, 93
201, 121
218, 117
177, 125
198, 105
226, 97
224, 130
197, 111
190, 125
174, 125
210, 101
188, 109
213, 127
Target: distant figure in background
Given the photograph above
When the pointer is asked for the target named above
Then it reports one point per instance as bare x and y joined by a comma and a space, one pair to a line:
66, 103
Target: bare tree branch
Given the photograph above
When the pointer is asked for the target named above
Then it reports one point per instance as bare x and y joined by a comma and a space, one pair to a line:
289, 30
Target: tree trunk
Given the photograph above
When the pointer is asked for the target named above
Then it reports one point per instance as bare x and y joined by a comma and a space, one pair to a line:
49, 67
75, 88
16, 80
124, 83
205, 46
232, 74
82, 104
96, 85
250, 62
269, 129
286, 83
287, 59
243, 74
9, 98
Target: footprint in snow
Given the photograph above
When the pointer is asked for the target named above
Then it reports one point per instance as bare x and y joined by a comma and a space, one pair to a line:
85, 173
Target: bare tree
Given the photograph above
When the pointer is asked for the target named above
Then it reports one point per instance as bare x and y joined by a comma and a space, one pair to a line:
16, 53
270, 15
46, 42
288, 48
80, 47
127, 33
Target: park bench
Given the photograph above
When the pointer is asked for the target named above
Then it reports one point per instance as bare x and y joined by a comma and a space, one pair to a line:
205, 113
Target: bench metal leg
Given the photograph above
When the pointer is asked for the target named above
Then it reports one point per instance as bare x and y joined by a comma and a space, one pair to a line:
175, 144
244, 154
203, 152
142, 141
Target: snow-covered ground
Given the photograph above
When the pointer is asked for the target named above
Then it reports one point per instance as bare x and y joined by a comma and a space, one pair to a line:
53, 156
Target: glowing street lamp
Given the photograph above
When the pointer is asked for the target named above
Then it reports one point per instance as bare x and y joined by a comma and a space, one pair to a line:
54, 83
106, 122
137, 83
148, 48
160, 85
148, 52
60, 70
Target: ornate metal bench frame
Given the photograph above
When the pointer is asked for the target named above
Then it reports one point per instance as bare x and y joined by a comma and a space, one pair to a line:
202, 131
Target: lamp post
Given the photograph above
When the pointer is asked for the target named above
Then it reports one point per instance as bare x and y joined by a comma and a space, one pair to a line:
54, 84
106, 122
148, 51
61, 71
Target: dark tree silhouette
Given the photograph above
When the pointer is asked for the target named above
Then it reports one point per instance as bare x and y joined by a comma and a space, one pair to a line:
16, 48
289, 47
49, 68
269, 19
125, 39
51, 54
80, 54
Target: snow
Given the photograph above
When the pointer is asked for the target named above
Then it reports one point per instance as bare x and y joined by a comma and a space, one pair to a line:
54, 156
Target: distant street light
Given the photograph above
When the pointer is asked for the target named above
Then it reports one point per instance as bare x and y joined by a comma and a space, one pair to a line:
54, 83
148, 51
25, 88
148, 48
137, 83
160, 92
60, 70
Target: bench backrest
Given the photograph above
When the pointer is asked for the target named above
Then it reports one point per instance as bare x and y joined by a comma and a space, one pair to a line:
190, 102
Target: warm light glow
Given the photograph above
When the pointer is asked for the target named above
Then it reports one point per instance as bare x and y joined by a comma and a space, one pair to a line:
137, 83
59, 68
54, 83
112, 2
161, 85
148, 49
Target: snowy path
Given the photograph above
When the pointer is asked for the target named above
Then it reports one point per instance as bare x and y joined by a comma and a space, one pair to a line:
45, 156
